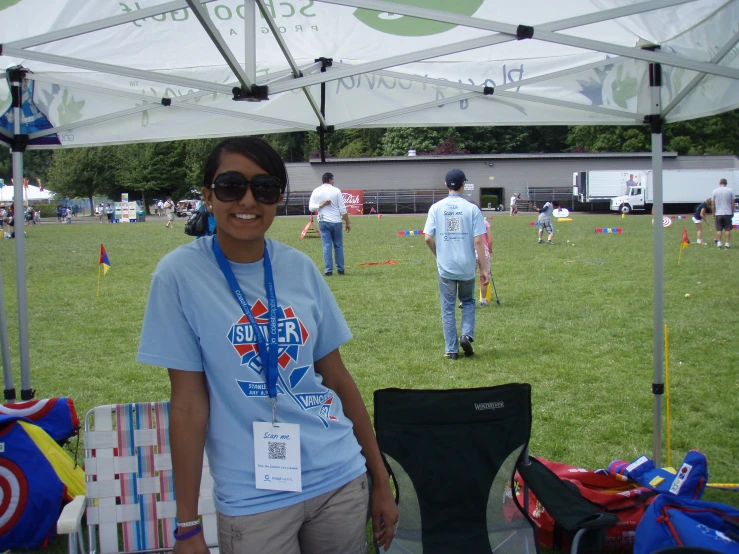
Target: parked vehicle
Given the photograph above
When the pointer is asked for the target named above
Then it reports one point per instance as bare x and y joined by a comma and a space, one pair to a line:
681, 189
185, 207
600, 187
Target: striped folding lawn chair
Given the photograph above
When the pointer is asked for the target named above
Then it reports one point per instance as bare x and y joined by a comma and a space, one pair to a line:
130, 501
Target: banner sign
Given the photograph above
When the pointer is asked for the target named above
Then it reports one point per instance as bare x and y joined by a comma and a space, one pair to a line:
354, 201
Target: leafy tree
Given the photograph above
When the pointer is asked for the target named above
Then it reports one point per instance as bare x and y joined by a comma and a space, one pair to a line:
196, 152
598, 138
448, 147
345, 143
6, 164
36, 164
717, 134
398, 140
80, 172
290, 146
150, 168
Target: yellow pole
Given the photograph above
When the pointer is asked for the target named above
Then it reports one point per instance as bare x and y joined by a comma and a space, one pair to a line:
667, 389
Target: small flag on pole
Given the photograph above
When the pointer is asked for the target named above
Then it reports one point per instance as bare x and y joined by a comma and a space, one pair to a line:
684, 243
103, 264
104, 261
40, 185
25, 182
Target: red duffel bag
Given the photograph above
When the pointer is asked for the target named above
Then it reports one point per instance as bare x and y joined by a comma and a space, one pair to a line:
607, 490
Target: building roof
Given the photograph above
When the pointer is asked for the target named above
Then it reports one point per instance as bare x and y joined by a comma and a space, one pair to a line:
464, 157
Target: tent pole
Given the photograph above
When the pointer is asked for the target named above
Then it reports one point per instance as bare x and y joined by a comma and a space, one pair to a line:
658, 387
325, 62
250, 40
17, 76
9, 392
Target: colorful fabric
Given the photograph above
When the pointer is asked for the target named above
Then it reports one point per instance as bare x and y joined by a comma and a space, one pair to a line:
166, 477
56, 416
33, 471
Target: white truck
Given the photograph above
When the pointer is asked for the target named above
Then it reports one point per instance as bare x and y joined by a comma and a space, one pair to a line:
600, 187
682, 189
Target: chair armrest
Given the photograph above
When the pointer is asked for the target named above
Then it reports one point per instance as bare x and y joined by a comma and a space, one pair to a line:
71, 516
568, 508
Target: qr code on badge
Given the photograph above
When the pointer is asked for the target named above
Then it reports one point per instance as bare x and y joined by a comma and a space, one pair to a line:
452, 225
277, 450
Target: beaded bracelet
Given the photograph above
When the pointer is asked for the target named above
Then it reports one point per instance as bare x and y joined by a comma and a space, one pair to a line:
188, 523
186, 535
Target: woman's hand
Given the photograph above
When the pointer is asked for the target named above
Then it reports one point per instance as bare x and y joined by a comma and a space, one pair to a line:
384, 513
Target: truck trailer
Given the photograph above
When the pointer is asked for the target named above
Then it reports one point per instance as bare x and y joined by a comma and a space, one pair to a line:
600, 187
682, 189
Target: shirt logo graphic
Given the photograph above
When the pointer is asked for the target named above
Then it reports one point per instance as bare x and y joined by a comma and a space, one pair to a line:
291, 335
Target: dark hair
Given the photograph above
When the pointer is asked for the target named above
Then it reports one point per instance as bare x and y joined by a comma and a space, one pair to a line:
327, 177
723, 182
455, 187
256, 149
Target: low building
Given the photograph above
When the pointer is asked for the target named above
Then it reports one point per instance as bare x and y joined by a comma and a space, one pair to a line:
410, 184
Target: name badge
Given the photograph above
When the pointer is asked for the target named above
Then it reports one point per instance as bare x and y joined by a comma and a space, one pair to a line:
277, 456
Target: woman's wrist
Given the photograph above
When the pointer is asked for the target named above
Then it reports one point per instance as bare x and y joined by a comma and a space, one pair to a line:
184, 533
186, 524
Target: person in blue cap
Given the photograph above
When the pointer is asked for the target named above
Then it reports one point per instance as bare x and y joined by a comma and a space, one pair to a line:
454, 231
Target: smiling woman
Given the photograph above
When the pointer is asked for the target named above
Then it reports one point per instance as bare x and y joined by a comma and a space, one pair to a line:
240, 321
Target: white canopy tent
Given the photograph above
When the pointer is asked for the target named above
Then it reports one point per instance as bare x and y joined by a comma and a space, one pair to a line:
32, 193
109, 72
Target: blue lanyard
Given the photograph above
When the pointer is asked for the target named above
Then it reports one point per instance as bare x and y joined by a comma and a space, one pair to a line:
268, 356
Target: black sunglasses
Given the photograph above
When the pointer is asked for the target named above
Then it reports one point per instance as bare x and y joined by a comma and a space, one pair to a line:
231, 186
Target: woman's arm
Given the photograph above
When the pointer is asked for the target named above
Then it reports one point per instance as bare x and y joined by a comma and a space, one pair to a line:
384, 510
188, 421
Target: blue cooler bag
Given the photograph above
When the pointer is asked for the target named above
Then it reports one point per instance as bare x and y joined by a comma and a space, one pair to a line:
675, 521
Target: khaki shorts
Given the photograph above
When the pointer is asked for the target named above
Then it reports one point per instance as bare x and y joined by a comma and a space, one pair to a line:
333, 523
170, 216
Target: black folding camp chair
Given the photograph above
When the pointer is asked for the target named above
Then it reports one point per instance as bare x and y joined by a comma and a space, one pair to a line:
452, 455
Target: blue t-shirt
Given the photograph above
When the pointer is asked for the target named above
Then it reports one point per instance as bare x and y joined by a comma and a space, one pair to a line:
455, 223
194, 323
702, 206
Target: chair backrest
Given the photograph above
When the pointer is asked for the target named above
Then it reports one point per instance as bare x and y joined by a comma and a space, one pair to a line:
130, 488
452, 454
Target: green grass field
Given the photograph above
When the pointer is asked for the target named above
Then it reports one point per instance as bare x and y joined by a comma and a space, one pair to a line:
575, 320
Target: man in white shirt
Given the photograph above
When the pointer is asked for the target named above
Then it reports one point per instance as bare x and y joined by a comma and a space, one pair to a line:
169, 211
328, 201
514, 199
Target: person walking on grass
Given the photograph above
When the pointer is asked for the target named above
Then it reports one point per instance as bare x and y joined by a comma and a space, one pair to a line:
700, 216
545, 220
329, 202
723, 210
454, 233
169, 210
514, 200
226, 371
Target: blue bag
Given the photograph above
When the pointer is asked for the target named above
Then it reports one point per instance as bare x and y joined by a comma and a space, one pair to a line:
677, 521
